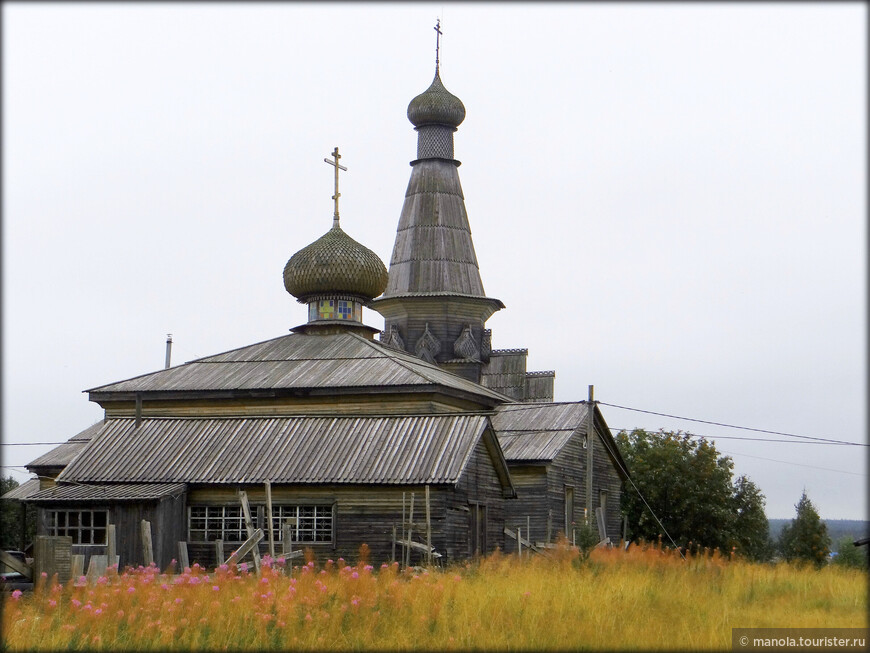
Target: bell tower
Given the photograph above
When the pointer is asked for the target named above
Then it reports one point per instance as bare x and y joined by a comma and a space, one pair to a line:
434, 305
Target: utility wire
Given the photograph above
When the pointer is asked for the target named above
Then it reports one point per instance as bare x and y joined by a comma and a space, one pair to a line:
787, 462
737, 437
731, 426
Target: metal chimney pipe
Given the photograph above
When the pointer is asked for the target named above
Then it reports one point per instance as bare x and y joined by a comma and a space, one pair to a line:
168, 349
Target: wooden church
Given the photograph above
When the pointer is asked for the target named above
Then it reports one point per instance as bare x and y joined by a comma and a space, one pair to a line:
329, 431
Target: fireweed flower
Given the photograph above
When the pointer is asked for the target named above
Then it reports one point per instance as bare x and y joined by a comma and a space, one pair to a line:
16, 594
215, 588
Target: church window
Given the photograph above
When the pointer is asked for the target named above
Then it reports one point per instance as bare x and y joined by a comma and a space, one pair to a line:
209, 523
83, 526
307, 523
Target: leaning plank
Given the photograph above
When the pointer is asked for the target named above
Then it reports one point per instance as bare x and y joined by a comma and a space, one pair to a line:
15, 564
420, 547
249, 526
183, 559
78, 565
147, 548
97, 567
523, 541
249, 545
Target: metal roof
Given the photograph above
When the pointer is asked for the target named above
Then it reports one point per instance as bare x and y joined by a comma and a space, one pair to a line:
538, 431
391, 450
23, 491
107, 492
297, 361
530, 431
62, 455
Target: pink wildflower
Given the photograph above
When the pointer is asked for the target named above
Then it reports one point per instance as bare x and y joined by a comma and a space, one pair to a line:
52, 603
216, 588
16, 594
354, 575
120, 614
44, 574
76, 603
131, 589
179, 600
98, 611
308, 617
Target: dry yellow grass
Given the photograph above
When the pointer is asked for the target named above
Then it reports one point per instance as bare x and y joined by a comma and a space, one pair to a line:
642, 599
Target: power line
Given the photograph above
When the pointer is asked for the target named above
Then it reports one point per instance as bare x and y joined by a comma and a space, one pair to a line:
787, 462
31, 444
732, 426
737, 437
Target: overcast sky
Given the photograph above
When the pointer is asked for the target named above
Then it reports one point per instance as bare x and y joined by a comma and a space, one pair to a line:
669, 199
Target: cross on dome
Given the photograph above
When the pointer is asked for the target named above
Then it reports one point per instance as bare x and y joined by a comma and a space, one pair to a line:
336, 156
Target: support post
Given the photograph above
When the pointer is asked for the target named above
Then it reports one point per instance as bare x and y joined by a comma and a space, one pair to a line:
549, 524
219, 552
269, 518
183, 559
590, 440
111, 543
428, 531
410, 528
147, 548
287, 536
519, 543
77, 565
393, 550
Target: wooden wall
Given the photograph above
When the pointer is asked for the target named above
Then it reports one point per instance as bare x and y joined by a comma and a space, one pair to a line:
541, 488
168, 518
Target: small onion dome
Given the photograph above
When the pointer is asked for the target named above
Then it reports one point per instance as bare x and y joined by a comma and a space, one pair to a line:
436, 106
335, 263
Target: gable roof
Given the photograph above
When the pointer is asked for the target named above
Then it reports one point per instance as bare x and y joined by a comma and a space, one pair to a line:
340, 449
537, 432
298, 361
107, 492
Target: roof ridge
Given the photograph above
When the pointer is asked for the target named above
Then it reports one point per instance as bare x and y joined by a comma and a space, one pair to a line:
195, 360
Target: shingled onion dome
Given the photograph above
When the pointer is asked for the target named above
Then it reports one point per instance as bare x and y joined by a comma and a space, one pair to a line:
335, 276
436, 106
435, 114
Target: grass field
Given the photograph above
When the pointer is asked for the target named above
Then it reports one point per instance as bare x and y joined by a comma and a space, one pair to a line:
640, 599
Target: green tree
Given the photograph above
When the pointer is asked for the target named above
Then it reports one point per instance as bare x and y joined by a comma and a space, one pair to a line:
688, 486
806, 538
10, 518
849, 555
750, 530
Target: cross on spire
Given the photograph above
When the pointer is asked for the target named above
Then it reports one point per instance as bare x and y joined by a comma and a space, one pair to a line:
336, 156
438, 33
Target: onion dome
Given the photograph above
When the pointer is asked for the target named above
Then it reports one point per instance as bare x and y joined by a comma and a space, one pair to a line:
335, 264
436, 106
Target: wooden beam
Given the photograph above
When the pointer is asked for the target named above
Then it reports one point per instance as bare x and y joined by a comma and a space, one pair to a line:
147, 548
249, 527
428, 531
183, 559
269, 518
15, 564
77, 565
218, 551
249, 545
111, 548
410, 528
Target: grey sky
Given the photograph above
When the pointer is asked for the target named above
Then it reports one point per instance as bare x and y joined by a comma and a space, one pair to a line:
669, 198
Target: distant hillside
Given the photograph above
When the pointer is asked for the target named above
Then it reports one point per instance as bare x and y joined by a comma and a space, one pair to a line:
837, 528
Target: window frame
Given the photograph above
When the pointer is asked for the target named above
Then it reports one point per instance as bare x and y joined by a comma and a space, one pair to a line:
76, 530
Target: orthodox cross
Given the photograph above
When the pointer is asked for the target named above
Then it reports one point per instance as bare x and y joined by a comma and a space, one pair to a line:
336, 156
438, 33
